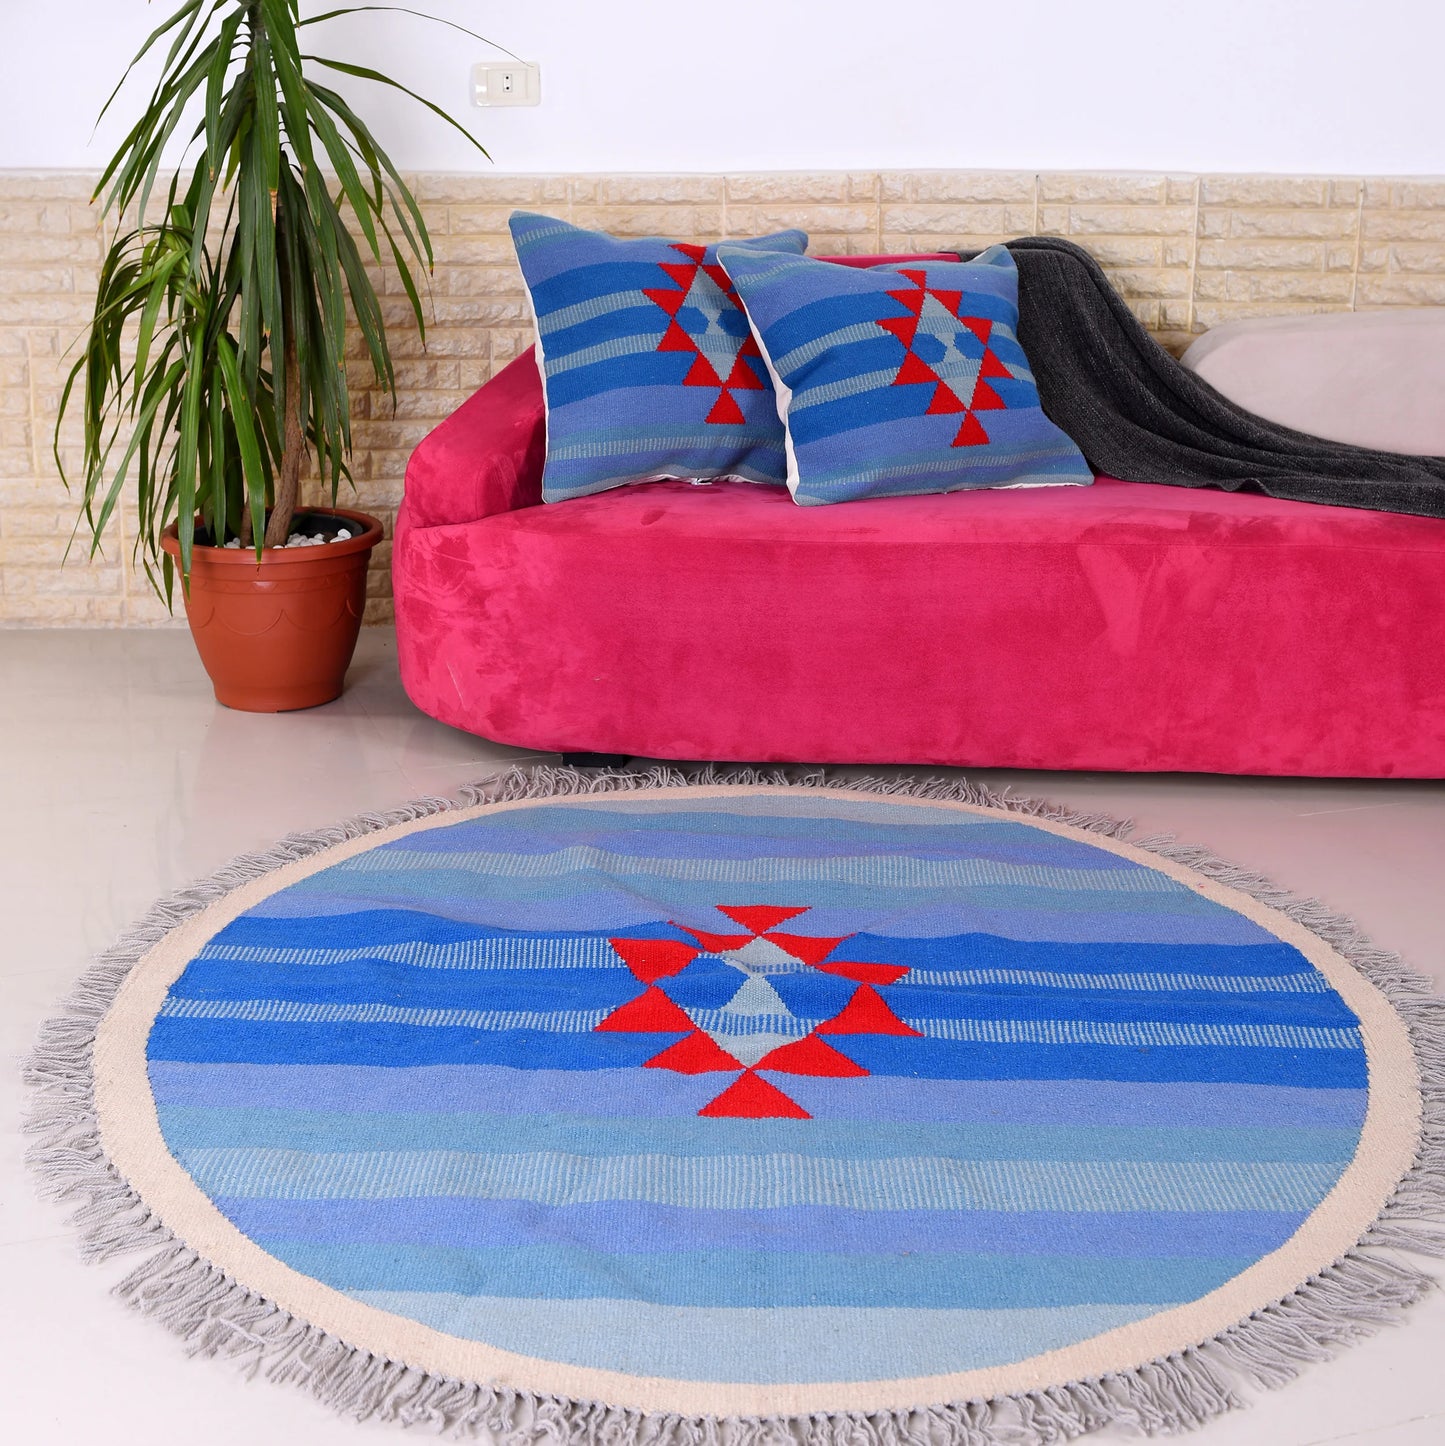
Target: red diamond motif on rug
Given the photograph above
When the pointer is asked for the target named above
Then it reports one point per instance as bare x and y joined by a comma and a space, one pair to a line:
755, 1031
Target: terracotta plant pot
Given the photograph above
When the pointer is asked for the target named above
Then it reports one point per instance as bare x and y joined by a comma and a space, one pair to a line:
279, 634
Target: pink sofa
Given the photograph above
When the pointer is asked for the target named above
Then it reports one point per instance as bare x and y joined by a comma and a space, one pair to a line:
1122, 626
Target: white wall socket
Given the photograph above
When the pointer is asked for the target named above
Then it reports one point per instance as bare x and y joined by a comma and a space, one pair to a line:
507, 82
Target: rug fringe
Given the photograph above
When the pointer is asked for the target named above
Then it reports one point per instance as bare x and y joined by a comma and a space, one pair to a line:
216, 1317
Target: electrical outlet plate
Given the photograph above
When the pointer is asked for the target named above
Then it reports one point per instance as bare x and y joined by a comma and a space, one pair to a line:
507, 82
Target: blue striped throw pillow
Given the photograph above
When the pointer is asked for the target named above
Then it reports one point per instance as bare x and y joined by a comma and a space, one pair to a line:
649, 367
902, 378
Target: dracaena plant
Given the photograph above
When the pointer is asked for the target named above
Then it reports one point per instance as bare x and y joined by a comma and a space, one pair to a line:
215, 361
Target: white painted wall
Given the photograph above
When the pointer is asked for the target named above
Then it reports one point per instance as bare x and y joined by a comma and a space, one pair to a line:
716, 85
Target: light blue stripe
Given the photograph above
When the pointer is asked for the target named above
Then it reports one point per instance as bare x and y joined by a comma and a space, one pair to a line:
290, 1011
564, 1272
593, 307
788, 1344
800, 355
744, 835
945, 913
764, 1182
999, 459
880, 870
582, 952
579, 952
1300, 982
187, 1127
647, 1093
623, 1227
633, 445
852, 386
1143, 1032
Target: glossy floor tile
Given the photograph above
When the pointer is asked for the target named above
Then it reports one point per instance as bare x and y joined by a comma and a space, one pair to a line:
123, 779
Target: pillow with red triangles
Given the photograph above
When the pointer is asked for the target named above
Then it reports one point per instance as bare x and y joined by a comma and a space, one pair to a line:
647, 362
901, 378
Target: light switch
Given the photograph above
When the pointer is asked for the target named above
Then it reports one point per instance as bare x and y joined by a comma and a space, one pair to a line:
507, 82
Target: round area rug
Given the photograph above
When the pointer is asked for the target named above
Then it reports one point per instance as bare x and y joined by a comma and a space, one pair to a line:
642, 1109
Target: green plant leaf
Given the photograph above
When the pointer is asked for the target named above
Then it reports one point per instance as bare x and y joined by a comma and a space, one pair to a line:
404, 10
215, 81
365, 72
250, 447
187, 450
186, 16
181, 378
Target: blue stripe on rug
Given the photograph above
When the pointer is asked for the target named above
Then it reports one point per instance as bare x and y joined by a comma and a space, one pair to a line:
637, 1226
741, 1278
998, 1025
362, 980
189, 1127
765, 1182
694, 835
809, 995
835, 909
503, 869
498, 1089
760, 1346
431, 941
239, 1040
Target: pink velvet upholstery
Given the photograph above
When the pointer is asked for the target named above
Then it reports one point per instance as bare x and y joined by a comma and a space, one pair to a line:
1121, 626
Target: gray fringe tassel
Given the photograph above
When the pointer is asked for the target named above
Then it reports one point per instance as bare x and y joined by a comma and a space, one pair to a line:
217, 1317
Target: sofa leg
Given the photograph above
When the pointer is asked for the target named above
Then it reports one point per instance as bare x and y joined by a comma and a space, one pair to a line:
594, 760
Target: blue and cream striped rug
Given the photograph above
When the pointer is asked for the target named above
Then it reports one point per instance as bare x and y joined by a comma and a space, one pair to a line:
756, 1101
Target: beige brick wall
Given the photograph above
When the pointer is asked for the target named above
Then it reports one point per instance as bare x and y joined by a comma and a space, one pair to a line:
1188, 251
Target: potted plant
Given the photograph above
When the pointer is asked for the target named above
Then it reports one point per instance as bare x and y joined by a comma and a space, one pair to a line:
215, 363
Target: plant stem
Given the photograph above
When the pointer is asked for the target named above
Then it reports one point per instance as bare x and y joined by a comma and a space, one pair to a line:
293, 452
293, 443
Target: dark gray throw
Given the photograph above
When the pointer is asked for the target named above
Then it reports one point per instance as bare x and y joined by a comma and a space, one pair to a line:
1136, 413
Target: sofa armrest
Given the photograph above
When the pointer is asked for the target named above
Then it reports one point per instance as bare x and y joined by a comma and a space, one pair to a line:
487, 456
1370, 378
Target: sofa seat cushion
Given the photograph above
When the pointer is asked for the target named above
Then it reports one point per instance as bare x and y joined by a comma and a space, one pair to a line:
1119, 626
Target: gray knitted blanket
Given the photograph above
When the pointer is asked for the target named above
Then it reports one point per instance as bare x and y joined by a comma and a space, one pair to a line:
1137, 414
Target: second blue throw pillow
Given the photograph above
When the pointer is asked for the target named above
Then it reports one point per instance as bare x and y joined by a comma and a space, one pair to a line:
900, 379
647, 362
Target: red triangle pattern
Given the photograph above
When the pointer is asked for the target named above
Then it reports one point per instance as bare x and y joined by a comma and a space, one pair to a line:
810, 1055
749, 1096
971, 434
701, 373
945, 399
676, 339
654, 959
865, 973
697, 1054
669, 301
985, 399
652, 1012
867, 1013
717, 943
725, 411
801, 946
914, 371
759, 918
